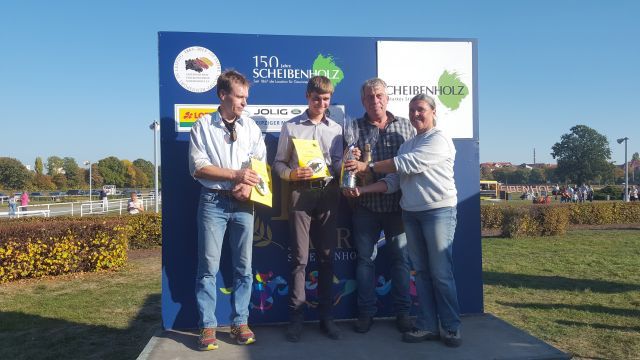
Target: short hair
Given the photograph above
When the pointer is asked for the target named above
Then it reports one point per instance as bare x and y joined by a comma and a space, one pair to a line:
371, 84
426, 98
319, 84
229, 77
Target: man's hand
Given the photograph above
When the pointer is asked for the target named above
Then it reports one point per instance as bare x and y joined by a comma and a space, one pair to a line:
355, 166
301, 173
246, 176
356, 153
242, 192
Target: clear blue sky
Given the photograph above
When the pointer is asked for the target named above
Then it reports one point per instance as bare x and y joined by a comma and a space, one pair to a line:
80, 79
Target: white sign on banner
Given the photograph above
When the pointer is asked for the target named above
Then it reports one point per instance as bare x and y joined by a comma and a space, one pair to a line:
269, 118
442, 70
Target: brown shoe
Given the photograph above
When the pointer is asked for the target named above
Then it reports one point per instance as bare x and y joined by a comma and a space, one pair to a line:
294, 329
453, 338
404, 323
207, 339
330, 328
363, 324
417, 335
242, 334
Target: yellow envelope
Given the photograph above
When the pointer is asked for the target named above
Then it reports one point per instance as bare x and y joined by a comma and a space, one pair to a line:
310, 155
262, 193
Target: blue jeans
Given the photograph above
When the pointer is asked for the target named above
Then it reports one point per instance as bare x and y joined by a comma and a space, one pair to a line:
366, 232
217, 214
12, 209
430, 241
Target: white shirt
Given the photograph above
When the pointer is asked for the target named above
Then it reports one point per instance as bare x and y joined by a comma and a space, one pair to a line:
133, 206
210, 144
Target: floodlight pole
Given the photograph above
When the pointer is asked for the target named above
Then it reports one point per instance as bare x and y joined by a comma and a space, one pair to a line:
626, 169
88, 162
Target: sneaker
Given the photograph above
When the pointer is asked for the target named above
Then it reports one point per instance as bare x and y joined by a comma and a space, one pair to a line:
330, 328
363, 324
242, 334
294, 329
417, 335
404, 323
207, 339
453, 338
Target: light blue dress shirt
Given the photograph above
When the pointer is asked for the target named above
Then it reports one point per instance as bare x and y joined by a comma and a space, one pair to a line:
210, 144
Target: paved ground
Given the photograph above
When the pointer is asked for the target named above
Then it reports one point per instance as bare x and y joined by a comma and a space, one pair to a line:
484, 337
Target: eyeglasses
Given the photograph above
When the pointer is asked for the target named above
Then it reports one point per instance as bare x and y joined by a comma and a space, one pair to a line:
233, 135
231, 127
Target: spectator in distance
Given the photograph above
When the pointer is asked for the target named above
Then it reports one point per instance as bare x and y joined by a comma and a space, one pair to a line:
105, 200
135, 205
24, 200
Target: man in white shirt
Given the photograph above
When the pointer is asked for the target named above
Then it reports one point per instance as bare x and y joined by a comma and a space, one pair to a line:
220, 150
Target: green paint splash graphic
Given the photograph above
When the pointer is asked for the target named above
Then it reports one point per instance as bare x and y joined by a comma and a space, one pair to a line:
326, 66
452, 90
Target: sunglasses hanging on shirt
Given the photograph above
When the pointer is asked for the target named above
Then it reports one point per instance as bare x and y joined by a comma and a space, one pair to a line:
233, 135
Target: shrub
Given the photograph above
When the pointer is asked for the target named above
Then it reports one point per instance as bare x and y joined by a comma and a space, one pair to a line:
491, 216
552, 220
144, 230
35, 249
600, 213
541, 220
614, 193
518, 222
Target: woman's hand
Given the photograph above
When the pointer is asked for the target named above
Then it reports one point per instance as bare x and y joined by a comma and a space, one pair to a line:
351, 193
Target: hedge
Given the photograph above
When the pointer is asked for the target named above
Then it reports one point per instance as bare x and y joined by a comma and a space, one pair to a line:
35, 247
144, 230
539, 220
545, 220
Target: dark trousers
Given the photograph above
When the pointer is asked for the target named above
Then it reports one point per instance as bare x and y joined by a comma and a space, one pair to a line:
320, 207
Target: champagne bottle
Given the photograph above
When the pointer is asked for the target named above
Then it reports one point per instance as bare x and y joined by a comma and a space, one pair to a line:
367, 176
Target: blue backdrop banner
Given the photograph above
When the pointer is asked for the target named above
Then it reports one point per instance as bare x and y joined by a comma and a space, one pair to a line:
278, 68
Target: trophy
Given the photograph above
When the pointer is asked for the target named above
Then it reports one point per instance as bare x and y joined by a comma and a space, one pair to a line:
350, 133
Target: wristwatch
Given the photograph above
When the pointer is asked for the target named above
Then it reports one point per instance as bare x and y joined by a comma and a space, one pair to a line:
370, 165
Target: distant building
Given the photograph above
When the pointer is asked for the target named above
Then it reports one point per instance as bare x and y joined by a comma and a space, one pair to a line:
541, 166
496, 165
504, 164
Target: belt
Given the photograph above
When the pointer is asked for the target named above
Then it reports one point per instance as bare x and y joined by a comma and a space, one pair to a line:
218, 191
317, 184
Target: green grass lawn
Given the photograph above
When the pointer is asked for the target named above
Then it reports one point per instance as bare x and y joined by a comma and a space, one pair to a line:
107, 315
579, 292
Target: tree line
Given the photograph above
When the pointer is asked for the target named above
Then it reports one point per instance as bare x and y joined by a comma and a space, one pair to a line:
583, 157
64, 173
